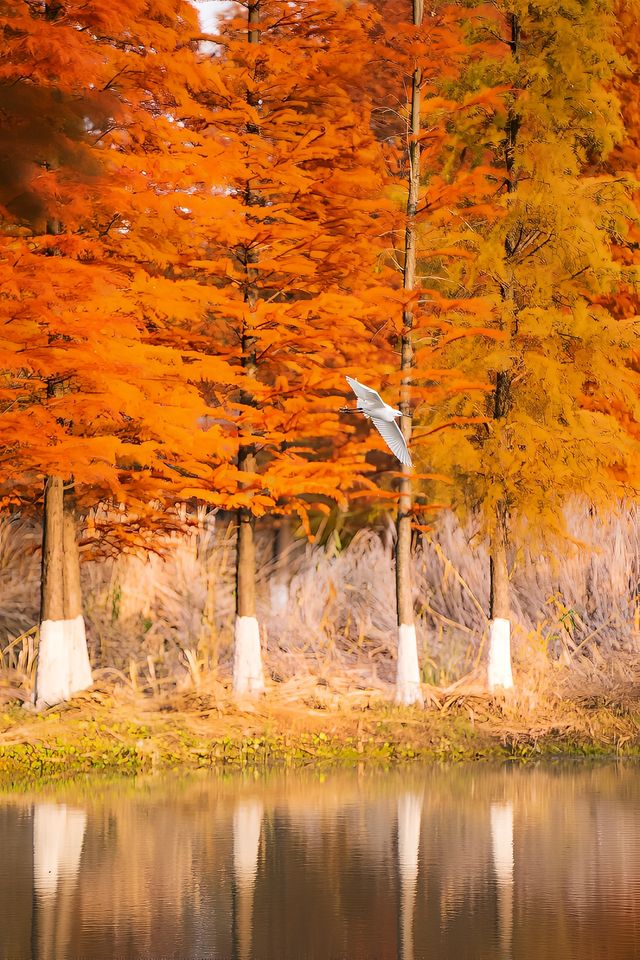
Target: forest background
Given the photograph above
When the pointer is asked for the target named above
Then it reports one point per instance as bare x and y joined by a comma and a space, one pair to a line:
203, 232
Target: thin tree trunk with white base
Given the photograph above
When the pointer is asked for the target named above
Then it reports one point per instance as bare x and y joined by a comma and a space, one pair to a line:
248, 676
80, 677
247, 658
63, 666
499, 674
408, 689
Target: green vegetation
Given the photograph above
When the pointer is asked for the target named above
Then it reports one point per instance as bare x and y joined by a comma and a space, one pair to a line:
198, 730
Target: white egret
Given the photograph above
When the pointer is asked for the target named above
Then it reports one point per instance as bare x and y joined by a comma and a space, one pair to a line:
383, 417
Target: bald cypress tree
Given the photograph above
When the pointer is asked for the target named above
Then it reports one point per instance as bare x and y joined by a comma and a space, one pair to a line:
543, 254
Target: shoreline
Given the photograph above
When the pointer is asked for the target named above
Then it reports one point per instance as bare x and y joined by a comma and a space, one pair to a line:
121, 733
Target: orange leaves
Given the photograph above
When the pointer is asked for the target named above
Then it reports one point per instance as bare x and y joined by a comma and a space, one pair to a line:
102, 376
208, 244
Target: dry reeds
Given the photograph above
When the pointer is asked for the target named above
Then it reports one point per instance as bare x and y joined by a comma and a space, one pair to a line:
155, 623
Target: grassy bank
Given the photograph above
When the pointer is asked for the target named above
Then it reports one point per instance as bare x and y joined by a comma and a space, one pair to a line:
117, 731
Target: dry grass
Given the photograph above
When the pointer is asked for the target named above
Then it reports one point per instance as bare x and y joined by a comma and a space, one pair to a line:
298, 722
158, 625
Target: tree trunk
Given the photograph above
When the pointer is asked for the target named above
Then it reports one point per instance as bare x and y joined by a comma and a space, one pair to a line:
63, 661
247, 658
63, 666
499, 663
52, 578
499, 666
80, 677
282, 547
408, 690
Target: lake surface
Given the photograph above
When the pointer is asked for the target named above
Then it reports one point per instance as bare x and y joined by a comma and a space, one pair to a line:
470, 862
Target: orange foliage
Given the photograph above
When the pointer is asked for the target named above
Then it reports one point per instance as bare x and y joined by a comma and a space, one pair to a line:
99, 381
165, 201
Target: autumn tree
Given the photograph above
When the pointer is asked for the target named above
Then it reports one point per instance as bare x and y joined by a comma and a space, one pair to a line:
99, 390
427, 173
543, 255
288, 246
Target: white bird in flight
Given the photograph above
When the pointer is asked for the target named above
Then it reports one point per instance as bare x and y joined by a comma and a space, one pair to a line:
384, 419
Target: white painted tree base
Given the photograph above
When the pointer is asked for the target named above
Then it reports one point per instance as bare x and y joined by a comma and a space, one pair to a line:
408, 689
63, 661
247, 658
499, 666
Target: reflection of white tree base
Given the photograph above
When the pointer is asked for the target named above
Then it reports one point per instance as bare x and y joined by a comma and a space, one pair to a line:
502, 850
409, 817
408, 689
247, 658
502, 840
247, 826
58, 834
63, 661
499, 666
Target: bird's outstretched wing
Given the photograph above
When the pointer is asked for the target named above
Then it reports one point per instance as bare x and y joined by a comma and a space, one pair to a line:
392, 436
362, 392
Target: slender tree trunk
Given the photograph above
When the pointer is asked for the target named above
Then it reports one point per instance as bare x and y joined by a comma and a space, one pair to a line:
499, 666
408, 690
247, 658
499, 599
63, 666
80, 677
246, 567
52, 576
499, 672
63, 660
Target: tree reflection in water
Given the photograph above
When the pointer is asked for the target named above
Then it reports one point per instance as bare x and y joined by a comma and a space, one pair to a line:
247, 824
502, 850
409, 816
58, 835
470, 862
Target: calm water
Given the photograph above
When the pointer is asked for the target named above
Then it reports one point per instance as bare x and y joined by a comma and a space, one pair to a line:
472, 862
